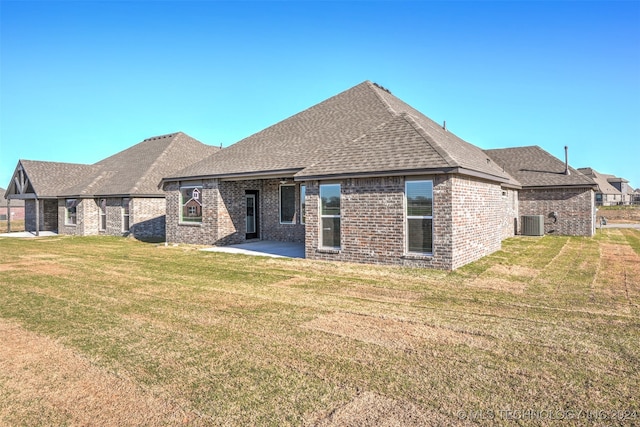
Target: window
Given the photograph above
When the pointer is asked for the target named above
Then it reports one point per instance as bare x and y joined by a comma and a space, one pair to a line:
71, 215
303, 211
102, 203
191, 204
330, 216
125, 214
419, 205
287, 203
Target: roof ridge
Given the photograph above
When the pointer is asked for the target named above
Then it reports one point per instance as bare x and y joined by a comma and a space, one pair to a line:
384, 102
153, 164
430, 140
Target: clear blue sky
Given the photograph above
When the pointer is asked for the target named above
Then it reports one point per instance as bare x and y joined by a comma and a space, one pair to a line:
82, 80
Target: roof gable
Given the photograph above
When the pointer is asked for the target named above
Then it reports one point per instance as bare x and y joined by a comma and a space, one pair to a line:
33, 178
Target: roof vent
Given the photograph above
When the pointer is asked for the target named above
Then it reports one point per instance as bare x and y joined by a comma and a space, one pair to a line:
382, 87
566, 160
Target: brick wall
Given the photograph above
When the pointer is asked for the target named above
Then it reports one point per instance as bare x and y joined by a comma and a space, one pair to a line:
479, 219
86, 210
373, 223
17, 212
574, 206
224, 213
510, 212
204, 233
146, 217
48, 215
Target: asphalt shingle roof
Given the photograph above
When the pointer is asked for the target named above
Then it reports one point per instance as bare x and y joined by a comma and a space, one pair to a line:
139, 169
48, 178
604, 186
534, 167
364, 129
136, 171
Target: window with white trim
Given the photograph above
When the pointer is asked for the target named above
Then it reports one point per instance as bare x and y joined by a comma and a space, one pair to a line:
191, 204
125, 214
71, 212
419, 213
287, 203
330, 216
102, 203
303, 210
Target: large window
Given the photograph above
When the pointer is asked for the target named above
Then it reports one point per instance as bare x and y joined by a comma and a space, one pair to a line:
125, 214
191, 204
287, 203
330, 215
102, 203
303, 207
71, 212
419, 213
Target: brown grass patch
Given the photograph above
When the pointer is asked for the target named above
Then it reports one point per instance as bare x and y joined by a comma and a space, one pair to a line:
43, 267
375, 293
619, 273
505, 278
390, 333
43, 376
371, 410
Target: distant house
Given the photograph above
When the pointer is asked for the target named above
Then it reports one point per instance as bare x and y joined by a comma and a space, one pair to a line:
119, 195
611, 189
552, 188
10, 210
364, 177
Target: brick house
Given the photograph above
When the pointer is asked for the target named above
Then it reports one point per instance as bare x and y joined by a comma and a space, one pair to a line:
117, 196
360, 177
610, 190
10, 211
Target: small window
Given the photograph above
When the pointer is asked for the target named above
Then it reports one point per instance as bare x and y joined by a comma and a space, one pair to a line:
102, 203
330, 216
71, 212
191, 204
419, 213
287, 203
303, 210
125, 213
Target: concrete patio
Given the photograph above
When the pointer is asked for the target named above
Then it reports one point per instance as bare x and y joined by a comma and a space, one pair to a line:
263, 248
28, 234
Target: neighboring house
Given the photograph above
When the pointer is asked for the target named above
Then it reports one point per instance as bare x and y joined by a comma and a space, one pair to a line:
622, 185
10, 210
610, 188
550, 187
119, 195
364, 177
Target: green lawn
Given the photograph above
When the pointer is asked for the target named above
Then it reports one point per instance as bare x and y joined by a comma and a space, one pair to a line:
111, 331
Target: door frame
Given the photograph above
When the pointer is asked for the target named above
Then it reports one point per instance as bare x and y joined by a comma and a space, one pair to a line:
256, 214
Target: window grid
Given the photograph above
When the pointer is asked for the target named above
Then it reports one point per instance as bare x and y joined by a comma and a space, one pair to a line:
419, 214
330, 216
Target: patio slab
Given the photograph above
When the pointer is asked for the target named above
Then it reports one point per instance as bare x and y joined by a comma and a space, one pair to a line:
28, 234
263, 248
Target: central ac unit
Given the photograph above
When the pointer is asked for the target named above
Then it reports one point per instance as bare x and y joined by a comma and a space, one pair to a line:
532, 225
